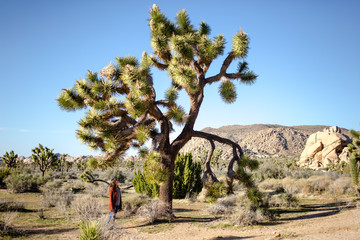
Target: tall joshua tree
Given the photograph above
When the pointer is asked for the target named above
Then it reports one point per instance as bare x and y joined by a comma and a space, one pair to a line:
354, 149
125, 111
10, 159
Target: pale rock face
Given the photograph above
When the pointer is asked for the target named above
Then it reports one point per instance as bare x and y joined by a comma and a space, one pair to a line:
323, 148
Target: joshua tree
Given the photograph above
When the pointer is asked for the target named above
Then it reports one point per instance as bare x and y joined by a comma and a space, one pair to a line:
125, 111
44, 158
10, 159
354, 149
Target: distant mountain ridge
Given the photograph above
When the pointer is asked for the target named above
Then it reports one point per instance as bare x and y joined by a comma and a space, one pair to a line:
260, 140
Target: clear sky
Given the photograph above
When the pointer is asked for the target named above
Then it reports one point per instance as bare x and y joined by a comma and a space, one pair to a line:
306, 54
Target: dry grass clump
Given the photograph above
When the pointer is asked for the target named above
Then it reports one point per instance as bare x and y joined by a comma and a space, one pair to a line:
97, 191
341, 186
152, 211
283, 200
8, 205
271, 184
245, 216
132, 205
222, 206
293, 186
52, 198
87, 208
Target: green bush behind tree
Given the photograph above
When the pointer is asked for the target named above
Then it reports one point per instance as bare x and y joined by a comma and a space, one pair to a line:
187, 179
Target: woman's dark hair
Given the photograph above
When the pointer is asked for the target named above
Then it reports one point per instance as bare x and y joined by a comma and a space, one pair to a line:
113, 182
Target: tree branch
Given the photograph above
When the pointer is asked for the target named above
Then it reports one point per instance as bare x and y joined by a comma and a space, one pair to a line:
223, 69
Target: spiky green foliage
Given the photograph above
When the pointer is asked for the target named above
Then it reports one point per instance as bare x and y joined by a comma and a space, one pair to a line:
90, 230
354, 149
240, 44
142, 186
187, 179
154, 170
44, 158
10, 159
227, 91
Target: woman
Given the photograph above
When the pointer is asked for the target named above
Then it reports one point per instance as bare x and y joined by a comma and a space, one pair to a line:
115, 203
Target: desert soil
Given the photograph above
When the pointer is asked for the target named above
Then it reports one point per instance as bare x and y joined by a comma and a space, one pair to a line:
324, 221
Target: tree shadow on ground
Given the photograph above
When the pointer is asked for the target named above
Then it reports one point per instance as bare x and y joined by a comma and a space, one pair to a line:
305, 212
230, 238
35, 231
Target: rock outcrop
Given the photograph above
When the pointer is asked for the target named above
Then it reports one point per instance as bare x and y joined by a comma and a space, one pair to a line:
259, 140
325, 147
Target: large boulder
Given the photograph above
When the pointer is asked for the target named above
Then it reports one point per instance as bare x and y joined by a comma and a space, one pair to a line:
323, 148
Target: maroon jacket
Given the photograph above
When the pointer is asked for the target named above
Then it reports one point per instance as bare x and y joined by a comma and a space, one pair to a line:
112, 199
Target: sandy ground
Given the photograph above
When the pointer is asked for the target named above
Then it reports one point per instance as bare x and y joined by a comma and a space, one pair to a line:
324, 223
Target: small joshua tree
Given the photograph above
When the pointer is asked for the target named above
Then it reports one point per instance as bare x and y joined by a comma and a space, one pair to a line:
44, 158
354, 149
10, 159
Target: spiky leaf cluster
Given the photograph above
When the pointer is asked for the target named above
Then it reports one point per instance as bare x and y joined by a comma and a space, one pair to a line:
154, 170
118, 101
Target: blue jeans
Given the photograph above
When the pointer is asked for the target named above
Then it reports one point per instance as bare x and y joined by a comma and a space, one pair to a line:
113, 214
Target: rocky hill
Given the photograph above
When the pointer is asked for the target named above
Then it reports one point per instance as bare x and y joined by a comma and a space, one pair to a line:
260, 140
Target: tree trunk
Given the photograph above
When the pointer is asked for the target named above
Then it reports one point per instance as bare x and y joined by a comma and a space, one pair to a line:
166, 189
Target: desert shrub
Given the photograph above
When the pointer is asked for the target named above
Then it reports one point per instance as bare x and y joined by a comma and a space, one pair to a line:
142, 186
187, 179
245, 216
6, 221
222, 206
53, 198
18, 183
283, 200
293, 186
87, 208
8, 205
341, 186
268, 169
90, 230
271, 184
317, 184
215, 191
97, 190
152, 211
131, 205
4, 173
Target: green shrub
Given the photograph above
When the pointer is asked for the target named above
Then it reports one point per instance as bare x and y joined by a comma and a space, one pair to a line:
142, 186
215, 191
187, 179
18, 183
4, 173
90, 230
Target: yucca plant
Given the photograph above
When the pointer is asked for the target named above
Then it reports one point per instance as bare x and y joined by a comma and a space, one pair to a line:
90, 230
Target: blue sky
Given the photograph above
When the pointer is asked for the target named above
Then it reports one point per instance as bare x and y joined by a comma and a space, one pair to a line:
306, 54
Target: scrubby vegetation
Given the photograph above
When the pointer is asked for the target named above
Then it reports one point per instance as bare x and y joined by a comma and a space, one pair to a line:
282, 186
